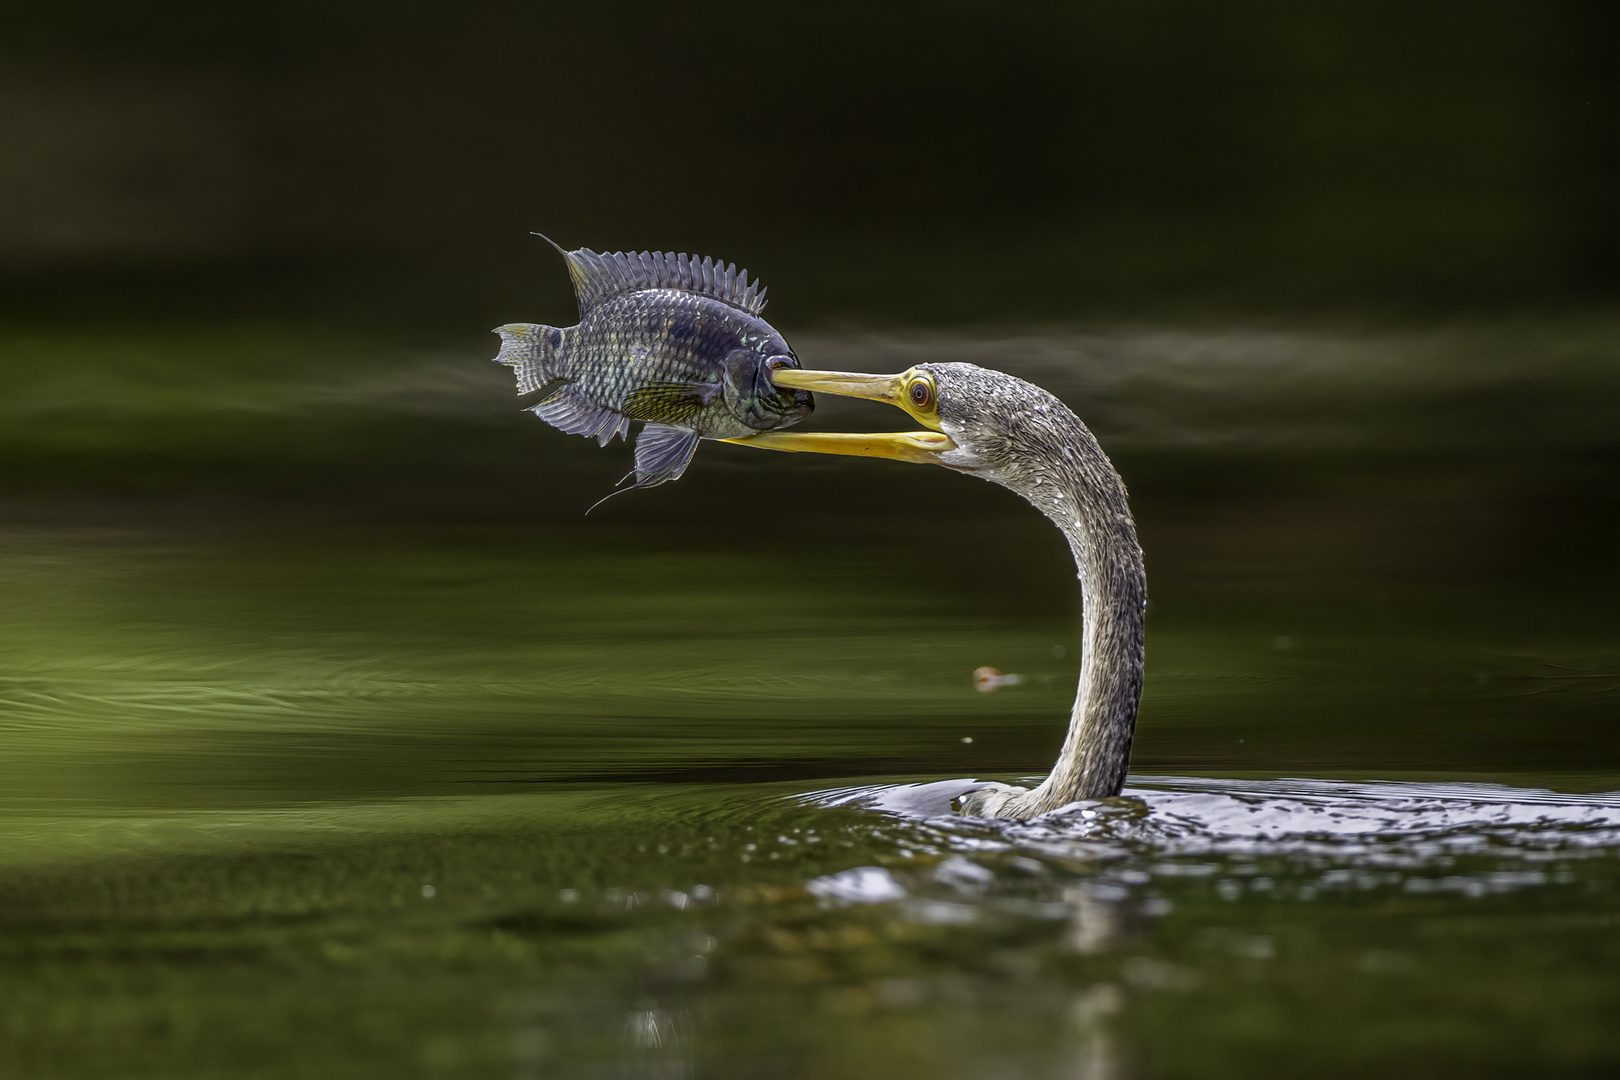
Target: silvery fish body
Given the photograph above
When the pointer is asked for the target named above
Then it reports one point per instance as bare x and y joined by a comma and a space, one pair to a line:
672, 341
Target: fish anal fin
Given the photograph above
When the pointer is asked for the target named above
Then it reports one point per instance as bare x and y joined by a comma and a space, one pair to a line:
568, 409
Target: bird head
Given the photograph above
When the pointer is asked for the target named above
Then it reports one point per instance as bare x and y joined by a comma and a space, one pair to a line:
914, 391
979, 421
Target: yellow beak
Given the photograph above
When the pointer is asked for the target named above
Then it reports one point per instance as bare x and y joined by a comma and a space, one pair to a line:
920, 447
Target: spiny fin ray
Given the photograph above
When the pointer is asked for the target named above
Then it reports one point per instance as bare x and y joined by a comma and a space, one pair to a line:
599, 277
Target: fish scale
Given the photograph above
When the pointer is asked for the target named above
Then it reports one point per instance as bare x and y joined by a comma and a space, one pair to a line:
667, 339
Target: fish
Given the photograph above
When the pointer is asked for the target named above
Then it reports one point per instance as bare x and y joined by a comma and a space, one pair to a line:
667, 339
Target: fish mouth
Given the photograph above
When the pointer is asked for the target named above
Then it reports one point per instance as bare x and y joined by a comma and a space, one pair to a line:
786, 405
918, 447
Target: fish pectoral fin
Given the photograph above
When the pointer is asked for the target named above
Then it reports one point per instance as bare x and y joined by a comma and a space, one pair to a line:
568, 409
669, 402
662, 454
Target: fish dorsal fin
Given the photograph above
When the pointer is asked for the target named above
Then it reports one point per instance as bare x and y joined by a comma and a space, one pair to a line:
598, 276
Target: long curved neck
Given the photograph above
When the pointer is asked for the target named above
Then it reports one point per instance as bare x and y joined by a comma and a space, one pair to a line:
1113, 590
1073, 483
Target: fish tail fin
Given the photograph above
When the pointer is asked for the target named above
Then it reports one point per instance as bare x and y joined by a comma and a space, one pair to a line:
538, 355
534, 353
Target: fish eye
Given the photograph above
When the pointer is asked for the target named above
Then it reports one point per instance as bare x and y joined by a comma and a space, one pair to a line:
921, 393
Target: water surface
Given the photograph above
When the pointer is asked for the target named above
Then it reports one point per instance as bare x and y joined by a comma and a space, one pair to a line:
338, 743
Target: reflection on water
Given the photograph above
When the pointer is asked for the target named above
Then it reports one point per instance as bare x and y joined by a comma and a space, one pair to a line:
493, 790
1124, 936
1110, 874
1315, 838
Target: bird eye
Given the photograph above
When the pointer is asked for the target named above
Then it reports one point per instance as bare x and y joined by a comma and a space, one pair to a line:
921, 393
777, 363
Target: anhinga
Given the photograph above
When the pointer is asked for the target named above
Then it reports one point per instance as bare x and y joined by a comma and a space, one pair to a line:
992, 425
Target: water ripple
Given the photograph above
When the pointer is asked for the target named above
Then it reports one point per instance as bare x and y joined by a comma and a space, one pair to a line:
1396, 824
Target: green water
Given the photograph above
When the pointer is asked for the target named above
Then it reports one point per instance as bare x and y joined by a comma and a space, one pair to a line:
337, 742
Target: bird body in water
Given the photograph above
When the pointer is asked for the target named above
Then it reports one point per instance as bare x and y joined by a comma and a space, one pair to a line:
673, 341
1000, 428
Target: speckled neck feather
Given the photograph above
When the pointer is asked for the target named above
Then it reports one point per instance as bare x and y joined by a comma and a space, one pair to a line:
1018, 435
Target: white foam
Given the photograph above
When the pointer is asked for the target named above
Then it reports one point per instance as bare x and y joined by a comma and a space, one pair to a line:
1386, 822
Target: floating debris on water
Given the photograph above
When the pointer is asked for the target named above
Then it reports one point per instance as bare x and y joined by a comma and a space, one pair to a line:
987, 680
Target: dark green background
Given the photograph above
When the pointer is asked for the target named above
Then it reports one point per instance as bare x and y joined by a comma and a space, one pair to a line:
963, 162
335, 740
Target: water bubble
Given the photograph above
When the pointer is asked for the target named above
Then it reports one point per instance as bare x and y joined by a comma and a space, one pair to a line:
942, 913
1147, 974
646, 1028
1097, 1002
861, 885
960, 872
429, 892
